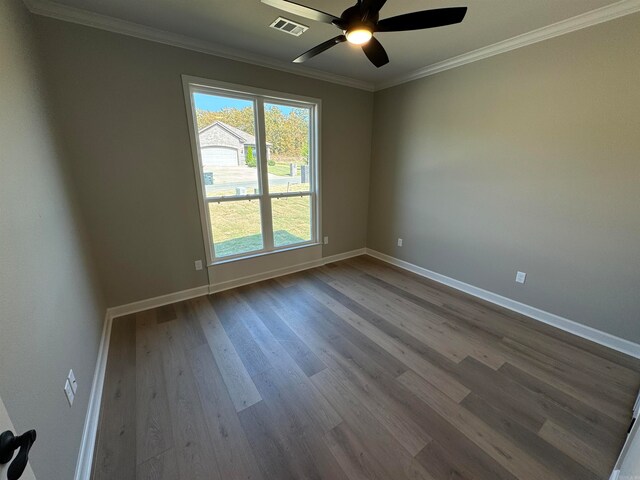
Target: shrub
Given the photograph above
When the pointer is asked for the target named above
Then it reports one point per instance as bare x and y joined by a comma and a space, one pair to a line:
251, 159
271, 163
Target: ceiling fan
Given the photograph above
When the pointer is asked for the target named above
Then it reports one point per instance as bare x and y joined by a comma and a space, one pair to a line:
359, 22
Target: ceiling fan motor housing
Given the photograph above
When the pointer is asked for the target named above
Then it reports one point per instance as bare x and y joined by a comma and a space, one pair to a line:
354, 18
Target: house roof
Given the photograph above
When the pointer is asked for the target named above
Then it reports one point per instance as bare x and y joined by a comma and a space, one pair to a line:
244, 137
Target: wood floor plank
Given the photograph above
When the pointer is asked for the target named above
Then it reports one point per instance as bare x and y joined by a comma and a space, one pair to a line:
299, 351
450, 330
410, 358
194, 452
512, 458
238, 381
594, 426
160, 467
621, 378
271, 450
234, 456
347, 361
115, 455
300, 387
225, 306
570, 380
528, 440
308, 306
187, 316
166, 313
530, 401
384, 408
362, 377
396, 460
347, 289
568, 443
356, 460
297, 427
153, 432
445, 463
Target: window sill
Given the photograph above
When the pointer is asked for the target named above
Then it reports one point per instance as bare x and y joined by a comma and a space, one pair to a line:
262, 254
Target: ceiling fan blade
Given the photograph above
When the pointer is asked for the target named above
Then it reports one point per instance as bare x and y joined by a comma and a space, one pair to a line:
301, 10
420, 20
375, 52
370, 8
320, 48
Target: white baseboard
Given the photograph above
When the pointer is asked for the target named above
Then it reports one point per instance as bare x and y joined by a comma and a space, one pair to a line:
590, 333
89, 433
155, 302
239, 282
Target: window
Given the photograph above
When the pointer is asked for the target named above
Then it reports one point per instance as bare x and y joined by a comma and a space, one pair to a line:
256, 158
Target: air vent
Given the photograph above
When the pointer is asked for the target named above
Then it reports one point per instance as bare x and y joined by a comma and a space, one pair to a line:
289, 26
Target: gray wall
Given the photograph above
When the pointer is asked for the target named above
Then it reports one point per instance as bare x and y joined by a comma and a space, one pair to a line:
121, 109
50, 314
527, 160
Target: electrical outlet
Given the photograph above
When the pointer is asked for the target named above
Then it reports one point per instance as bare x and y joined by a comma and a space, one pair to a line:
198, 264
68, 391
72, 380
326, 240
399, 242
521, 277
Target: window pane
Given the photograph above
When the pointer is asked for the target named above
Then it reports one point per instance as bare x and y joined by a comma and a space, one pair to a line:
236, 227
226, 135
291, 220
288, 132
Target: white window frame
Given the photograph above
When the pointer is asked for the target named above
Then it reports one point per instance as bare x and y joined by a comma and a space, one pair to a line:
258, 97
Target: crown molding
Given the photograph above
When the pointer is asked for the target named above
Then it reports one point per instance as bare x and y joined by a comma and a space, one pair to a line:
584, 20
58, 11
66, 13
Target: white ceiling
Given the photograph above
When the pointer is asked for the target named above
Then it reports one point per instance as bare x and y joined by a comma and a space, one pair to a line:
243, 25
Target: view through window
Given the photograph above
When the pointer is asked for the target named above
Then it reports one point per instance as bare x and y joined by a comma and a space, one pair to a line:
256, 158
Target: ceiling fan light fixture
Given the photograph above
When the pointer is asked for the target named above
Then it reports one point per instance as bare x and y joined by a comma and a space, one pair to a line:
358, 23
359, 36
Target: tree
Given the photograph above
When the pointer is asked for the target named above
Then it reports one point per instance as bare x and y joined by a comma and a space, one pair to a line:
288, 134
241, 118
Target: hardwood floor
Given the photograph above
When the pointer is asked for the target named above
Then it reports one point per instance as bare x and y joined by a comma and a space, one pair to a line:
354, 371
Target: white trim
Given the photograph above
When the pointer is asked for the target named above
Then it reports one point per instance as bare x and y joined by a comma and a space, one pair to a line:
103, 22
155, 302
90, 431
239, 282
590, 333
584, 20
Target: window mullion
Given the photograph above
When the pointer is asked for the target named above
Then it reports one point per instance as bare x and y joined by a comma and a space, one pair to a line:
265, 201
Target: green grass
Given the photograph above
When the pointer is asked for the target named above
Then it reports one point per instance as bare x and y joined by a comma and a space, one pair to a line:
236, 225
253, 243
281, 169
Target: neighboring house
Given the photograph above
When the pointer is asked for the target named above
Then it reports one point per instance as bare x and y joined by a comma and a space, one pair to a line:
224, 145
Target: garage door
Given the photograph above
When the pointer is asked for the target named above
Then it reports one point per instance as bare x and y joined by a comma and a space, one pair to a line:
220, 156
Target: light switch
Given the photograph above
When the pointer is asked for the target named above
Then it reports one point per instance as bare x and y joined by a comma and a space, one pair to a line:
72, 380
69, 392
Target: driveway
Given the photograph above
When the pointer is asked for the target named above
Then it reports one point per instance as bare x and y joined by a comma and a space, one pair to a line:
226, 178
